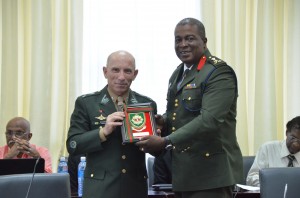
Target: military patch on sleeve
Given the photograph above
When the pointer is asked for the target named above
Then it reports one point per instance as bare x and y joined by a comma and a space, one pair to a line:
73, 144
216, 61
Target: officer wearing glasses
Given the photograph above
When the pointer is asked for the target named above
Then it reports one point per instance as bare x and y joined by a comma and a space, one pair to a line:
283, 153
18, 137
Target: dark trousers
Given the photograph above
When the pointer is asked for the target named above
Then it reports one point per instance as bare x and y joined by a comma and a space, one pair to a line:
224, 192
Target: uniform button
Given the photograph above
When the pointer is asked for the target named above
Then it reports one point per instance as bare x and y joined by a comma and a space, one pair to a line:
123, 156
174, 114
207, 154
174, 118
176, 100
145, 177
173, 129
92, 175
189, 98
123, 170
176, 104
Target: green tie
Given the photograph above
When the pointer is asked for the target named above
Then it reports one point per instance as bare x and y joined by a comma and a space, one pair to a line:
182, 78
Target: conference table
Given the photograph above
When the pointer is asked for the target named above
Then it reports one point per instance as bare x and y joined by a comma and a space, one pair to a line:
168, 194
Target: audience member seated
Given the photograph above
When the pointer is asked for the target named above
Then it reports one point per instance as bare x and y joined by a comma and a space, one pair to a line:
277, 153
73, 161
18, 135
162, 169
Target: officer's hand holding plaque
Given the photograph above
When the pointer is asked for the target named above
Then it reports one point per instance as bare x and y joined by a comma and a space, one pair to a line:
139, 121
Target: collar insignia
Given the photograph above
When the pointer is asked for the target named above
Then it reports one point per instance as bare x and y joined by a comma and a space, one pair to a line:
133, 100
104, 100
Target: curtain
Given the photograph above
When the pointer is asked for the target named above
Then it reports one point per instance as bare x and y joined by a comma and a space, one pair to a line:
53, 51
258, 38
40, 40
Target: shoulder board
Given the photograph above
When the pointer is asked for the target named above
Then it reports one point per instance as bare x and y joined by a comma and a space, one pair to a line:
179, 65
90, 94
216, 61
140, 95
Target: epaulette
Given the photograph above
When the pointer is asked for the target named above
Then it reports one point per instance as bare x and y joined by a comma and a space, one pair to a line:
142, 96
91, 94
178, 66
216, 61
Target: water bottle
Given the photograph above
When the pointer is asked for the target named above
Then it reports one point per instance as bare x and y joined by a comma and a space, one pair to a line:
62, 166
81, 168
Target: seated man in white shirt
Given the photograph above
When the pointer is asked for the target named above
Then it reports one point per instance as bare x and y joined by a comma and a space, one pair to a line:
283, 153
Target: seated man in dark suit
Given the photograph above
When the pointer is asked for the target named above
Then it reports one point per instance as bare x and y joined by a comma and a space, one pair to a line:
162, 169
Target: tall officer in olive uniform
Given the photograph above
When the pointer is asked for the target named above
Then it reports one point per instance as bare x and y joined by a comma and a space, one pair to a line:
114, 170
200, 120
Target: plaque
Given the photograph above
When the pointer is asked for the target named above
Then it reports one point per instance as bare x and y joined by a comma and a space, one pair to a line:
139, 121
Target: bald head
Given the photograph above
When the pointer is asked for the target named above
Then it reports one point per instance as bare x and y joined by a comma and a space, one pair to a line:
120, 55
19, 122
120, 72
17, 127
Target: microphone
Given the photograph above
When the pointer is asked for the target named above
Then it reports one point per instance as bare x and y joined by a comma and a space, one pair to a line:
120, 103
36, 162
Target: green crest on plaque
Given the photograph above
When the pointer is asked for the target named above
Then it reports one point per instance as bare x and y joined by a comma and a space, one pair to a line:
137, 120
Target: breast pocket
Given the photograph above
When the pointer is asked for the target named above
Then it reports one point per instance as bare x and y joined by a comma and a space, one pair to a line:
192, 99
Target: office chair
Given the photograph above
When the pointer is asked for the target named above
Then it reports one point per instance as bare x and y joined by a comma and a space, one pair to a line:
247, 163
150, 162
44, 185
279, 182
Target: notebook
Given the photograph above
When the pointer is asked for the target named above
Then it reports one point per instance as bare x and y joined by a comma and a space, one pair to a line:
20, 166
162, 187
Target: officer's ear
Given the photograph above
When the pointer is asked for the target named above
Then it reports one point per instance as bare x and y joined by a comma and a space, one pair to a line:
135, 74
204, 40
105, 71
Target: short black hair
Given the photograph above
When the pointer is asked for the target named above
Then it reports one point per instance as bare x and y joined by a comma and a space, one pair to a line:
193, 21
293, 124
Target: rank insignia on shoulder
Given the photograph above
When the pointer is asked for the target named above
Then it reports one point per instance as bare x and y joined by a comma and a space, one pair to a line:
191, 86
215, 60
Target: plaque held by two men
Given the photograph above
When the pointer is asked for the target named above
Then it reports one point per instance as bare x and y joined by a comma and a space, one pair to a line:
139, 121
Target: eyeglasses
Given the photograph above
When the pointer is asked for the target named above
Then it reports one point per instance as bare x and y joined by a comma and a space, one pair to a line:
294, 138
18, 134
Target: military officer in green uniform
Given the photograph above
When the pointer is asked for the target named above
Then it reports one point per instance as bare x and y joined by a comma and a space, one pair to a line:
114, 169
200, 120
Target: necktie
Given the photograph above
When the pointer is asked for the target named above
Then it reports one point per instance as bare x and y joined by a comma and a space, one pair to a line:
291, 159
120, 103
182, 78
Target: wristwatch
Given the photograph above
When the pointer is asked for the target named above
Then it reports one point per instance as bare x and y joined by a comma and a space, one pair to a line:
168, 143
